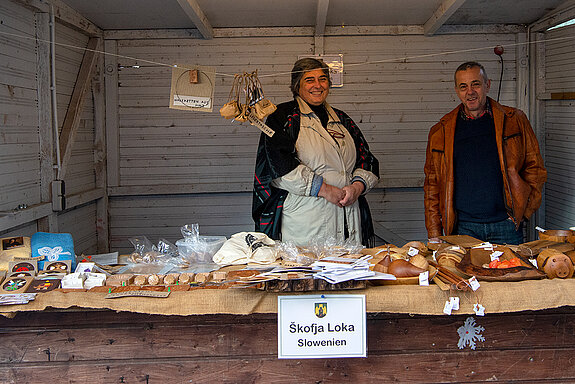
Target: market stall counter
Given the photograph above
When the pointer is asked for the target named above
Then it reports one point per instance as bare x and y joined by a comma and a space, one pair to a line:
230, 336
515, 326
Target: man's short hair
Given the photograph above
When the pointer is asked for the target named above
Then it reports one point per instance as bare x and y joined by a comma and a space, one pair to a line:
471, 64
305, 65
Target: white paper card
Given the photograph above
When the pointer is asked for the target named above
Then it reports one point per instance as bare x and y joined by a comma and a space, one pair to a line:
454, 303
424, 278
448, 307
412, 251
495, 255
473, 283
479, 309
321, 326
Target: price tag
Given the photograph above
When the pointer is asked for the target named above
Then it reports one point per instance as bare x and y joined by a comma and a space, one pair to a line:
454, 303
487, 245
448, 307
479, 309
495, 255
424, 278
260, 124
473, 283
412, 251
534, 262
433, 256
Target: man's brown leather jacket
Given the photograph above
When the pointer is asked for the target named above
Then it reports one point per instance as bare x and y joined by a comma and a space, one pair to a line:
521, 165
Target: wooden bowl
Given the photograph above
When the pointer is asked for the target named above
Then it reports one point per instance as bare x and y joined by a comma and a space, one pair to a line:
558, 235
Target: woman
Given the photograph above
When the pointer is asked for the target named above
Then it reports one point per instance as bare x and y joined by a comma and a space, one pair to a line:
312, 174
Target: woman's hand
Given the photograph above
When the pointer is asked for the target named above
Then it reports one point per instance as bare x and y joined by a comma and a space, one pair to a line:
352, 192
332, 194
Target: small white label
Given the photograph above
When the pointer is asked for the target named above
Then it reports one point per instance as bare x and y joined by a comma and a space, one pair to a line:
454, 303
473, 283
434, 252
412, 251
424, 278
448, 307
479, 309
487, 245
260, 124
495, 255
534, 262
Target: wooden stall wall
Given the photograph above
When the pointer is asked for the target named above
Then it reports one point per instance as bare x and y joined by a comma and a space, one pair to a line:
108, 347
19, 126
27, 144
560, 128
168, 167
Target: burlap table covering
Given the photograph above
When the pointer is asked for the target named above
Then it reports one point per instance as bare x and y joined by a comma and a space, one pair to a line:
496, 297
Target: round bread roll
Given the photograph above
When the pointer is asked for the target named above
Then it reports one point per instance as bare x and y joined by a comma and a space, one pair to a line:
186, 278
171, 279
140, 280
154, 279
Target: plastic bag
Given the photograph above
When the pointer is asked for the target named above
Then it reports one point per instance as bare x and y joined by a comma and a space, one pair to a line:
196, 249
145, 251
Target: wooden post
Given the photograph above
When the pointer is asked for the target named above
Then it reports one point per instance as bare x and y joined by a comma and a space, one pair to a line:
74, 112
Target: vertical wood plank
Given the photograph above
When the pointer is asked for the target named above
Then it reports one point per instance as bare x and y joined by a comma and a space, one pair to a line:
102, 230
45, 126
112, 124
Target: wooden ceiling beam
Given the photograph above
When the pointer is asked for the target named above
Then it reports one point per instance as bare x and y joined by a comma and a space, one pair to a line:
69, 16
195, 13
321, 17
441, 15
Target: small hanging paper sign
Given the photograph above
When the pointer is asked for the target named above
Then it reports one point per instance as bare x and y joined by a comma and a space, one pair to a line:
335, 64
192, 87
454, 302
473, 283
479, 309
424, 278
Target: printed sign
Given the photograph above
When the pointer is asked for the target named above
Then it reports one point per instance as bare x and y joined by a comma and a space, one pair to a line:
318, 326
335, 64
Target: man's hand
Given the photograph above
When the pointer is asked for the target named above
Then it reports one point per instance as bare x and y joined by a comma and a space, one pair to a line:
352, 192
332, 194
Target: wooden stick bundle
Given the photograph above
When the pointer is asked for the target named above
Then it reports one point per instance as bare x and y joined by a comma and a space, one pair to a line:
449, 277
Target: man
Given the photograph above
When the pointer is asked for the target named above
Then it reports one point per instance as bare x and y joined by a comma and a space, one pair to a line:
483, 170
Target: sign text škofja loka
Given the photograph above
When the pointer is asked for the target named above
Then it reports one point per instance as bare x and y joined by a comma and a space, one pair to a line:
321, 326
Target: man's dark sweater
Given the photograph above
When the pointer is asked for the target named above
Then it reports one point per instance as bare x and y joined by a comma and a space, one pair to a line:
478, 179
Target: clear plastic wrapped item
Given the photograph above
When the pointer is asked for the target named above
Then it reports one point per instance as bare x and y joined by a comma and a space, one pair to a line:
196, 249
167, 248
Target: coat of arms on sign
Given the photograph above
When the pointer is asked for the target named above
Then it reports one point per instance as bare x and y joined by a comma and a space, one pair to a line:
320, 309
